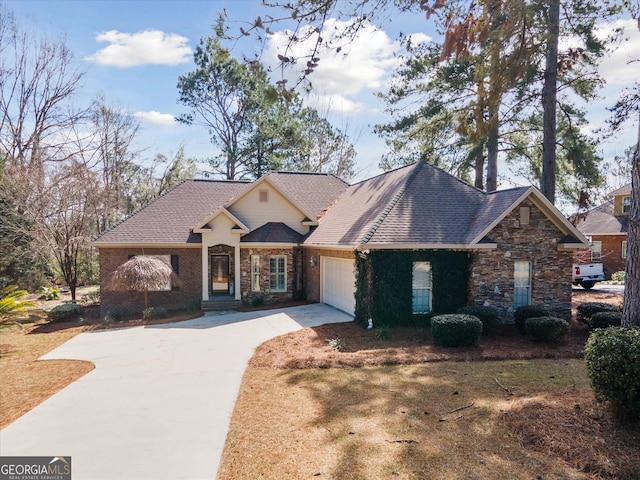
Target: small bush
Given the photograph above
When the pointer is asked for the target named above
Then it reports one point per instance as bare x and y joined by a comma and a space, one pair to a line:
336, 343
154, 312
257, 301
453, 330
64, 312
528, 311
383, 332
48, 293
546, 329
113, 316
605, 319
619, 276
488, 316
613, 364
586, 310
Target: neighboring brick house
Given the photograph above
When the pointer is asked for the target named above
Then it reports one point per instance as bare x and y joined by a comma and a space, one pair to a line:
605, 226
311, 236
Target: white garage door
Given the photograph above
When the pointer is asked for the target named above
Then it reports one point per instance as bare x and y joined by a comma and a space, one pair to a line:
338, 283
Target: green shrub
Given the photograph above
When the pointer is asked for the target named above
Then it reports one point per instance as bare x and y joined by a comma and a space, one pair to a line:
528, 311
48, 293
257, 301
605, 319
458, 329
613, 364
154, 312
488, 316
619, 276
586, 310
546, 329
64, 312
113, 316
383, 332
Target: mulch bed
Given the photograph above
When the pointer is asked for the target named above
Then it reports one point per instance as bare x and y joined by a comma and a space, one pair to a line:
309, 348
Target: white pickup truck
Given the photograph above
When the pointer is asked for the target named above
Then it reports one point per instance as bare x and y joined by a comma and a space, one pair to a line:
587, 274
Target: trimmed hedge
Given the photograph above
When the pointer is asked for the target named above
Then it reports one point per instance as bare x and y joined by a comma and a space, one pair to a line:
613, 364
488, 316
64, 312
528, 311
605, 319
546, 329
455, 330
586, 310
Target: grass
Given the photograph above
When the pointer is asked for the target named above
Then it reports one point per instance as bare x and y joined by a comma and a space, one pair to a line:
446, 420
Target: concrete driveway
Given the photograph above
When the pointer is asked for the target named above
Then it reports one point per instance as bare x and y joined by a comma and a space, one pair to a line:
158, 404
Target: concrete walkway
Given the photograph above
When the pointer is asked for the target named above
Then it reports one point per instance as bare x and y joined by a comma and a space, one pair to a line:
158, 404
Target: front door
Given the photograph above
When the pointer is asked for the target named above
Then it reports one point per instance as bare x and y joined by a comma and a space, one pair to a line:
219, 274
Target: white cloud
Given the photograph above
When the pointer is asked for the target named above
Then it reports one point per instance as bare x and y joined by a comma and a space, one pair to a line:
617, 68
364, 62
335, 103
149, 47
156, 118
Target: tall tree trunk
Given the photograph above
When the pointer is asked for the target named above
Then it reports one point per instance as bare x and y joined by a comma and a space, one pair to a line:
492, 149
631, 306
479, 169
548, 184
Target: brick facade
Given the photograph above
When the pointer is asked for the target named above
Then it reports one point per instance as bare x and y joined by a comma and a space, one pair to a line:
186, 296
611, 253
492, 271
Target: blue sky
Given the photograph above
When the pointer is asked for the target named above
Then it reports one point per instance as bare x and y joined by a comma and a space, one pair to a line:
134, 52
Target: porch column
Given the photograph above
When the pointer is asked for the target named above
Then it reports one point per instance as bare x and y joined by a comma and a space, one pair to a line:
236, 269
205, 269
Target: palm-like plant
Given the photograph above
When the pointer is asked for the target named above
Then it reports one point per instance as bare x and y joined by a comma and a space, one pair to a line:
12, 301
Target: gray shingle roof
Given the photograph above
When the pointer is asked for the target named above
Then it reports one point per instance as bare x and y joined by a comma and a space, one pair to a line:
494, 205
313, 192
601, 221
273, 232
415, 204
170, 218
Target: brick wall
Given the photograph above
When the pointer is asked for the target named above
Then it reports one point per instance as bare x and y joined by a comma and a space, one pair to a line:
311, 262
491, 281
611, 254
186, 296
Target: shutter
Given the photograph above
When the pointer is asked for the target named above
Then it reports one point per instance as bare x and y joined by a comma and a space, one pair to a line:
175, 264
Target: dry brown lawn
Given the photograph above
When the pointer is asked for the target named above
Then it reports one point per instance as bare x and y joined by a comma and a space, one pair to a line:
402, 408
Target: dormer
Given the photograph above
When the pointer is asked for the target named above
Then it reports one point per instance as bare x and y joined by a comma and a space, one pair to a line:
621, 201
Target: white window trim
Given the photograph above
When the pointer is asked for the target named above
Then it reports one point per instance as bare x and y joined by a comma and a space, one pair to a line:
427, 288
528, 286
284, 274
596, 253
626, 204
255, 273
624, 249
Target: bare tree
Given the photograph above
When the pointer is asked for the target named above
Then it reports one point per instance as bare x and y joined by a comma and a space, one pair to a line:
38, 80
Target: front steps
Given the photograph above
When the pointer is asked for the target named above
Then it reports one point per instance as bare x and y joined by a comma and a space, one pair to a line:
216, 304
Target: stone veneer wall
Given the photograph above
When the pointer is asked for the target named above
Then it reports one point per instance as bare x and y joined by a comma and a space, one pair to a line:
186, 296
267, 295
311, 262
491, 281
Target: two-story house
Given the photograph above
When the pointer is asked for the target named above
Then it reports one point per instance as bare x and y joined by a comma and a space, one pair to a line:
606, 227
